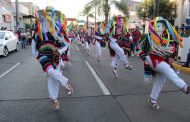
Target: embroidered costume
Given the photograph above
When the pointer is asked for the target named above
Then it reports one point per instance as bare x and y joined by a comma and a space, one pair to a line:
50, 41
157, 50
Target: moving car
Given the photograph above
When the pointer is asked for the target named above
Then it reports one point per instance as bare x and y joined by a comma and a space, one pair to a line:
8, 42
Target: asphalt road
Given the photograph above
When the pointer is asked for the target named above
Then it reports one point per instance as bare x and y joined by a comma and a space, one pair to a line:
24, 94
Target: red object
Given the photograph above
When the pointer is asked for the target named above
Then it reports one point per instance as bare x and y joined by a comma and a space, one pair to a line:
156, 59
8, 18
137, 35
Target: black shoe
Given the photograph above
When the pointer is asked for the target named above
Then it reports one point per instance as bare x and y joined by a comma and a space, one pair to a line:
188, 90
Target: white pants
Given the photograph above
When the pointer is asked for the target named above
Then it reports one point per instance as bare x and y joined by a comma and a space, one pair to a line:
163, 71
87, 46
119, 55
98, 50
54, 78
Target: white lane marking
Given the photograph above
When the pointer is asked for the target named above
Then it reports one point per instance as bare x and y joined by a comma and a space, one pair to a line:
5, 73
99, 81
77, 48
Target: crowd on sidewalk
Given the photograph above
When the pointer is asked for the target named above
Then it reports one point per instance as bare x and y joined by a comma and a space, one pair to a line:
25, 37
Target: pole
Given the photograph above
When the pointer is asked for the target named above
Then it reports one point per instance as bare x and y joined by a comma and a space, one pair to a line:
0, 11
17, 14
156, 7
95, 16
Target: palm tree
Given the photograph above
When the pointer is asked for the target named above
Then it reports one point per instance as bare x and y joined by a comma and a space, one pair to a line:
86, 12
103, 7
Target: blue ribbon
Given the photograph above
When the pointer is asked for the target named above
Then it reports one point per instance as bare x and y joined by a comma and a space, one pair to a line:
43, 28
171, 31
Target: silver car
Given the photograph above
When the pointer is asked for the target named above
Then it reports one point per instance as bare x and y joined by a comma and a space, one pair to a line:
8, 42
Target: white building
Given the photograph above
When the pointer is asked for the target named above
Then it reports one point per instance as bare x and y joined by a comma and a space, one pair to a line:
6, 16
183, 13
23, 11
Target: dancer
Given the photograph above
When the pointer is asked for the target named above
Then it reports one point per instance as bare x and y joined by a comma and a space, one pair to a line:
88, 39
156, 50
116, 27
99, 41
47, 40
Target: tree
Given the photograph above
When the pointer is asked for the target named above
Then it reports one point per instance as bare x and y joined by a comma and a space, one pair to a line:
103, 7
86, 12
167, 9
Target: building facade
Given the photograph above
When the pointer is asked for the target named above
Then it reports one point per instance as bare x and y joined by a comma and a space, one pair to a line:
6, 16
29, 19
183, 13
32, 8
23, 11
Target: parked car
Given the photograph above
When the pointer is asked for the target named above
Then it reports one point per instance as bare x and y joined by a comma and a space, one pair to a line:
8, 42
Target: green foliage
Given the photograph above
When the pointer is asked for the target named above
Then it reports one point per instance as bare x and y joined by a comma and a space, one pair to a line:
103, 7
122, 6
167, 9
28, 26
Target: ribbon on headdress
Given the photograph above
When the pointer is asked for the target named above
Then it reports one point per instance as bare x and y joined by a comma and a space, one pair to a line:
155, 37
43, 30
61, 29
39, 26
115, 26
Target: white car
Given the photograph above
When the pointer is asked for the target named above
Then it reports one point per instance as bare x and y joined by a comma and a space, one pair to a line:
8, 42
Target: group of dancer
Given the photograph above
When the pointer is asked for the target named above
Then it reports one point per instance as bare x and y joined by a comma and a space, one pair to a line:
51, 47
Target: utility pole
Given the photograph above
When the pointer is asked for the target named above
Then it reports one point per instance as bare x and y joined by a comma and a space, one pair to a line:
95, 16
156, 7
0, 11
17, 14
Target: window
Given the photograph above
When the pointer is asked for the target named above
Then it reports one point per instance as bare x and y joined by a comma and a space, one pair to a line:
2, 34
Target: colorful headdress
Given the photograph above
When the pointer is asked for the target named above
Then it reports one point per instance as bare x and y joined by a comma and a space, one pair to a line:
117, 25
57, 24
170, 30
163, 45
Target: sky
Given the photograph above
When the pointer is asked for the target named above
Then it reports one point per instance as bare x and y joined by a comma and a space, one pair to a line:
71, 8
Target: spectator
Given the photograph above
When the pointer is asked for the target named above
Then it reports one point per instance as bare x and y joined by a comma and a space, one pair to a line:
23, 39
19, 35
2, 28
136, 34
188, 60
28, 36
181, 32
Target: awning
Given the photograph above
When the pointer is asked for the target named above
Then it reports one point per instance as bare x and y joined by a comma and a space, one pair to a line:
29, 16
